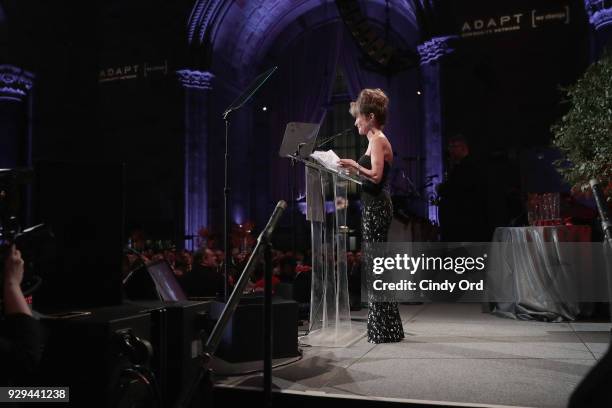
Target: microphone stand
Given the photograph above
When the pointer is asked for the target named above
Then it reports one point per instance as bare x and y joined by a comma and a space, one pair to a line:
226, 209
606, 223
267, 373
606, 226
234, 106
203, 375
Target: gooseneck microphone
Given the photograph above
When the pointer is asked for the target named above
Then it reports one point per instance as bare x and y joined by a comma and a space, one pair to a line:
332, 137
299, 147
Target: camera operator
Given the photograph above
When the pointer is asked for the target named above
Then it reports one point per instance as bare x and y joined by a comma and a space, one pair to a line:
21, 336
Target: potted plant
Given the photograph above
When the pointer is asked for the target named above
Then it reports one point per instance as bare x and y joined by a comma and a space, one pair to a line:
584, 133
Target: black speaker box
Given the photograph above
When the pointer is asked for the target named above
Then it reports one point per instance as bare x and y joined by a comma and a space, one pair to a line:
185, 326
188, 328
105, 357
243, 336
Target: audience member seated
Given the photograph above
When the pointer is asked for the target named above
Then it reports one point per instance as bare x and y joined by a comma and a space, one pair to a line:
302, 284
258, 276
201, 273
286, 272
299, 258
204, 279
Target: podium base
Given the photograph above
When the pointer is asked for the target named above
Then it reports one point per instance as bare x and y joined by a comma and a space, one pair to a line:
333, 337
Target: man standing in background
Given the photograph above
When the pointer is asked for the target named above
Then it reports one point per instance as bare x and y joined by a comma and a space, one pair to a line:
463, 196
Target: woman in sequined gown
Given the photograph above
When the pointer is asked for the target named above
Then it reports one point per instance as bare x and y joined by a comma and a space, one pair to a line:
370, 112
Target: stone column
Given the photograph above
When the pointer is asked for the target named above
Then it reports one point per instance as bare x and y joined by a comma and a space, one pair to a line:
15, 116
432, 53
197, 86
600, 21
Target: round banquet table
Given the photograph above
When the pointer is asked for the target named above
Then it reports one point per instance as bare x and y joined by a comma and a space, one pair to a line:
529, 277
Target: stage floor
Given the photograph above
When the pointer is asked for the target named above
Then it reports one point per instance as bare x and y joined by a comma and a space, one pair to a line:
453, 353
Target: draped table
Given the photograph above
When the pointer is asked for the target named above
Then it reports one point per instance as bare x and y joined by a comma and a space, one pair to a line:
531, 272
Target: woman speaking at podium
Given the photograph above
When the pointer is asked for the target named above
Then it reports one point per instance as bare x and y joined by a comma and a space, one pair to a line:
370, 113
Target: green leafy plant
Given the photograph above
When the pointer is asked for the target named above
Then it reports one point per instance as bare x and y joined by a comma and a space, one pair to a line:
584, 134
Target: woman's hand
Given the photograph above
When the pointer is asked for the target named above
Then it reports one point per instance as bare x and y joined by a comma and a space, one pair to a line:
348, 164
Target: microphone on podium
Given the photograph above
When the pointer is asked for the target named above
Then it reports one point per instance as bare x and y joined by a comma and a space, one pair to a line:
337, 135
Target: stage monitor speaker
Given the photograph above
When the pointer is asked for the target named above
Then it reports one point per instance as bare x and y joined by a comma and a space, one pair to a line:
179, 329
243, 336
188, 327
155, 281
105, 358
84, 205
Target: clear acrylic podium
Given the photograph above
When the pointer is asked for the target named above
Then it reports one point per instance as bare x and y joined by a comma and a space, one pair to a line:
330, 315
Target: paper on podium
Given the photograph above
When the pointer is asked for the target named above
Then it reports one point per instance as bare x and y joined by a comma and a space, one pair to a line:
328, 159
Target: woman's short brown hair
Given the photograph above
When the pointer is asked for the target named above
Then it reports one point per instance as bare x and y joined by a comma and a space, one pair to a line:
373, 101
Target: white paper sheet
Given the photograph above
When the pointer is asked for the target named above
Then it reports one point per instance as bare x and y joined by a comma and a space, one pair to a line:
328, 159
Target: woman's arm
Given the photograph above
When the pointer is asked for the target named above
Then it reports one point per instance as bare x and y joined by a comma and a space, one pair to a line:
377, 157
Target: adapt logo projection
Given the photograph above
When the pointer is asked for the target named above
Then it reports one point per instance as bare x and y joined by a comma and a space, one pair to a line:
404, 262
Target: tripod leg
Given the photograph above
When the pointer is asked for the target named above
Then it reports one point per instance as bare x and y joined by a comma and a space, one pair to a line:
200, 391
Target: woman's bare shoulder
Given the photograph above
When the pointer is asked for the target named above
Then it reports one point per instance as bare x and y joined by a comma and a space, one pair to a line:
387, 148
381, 140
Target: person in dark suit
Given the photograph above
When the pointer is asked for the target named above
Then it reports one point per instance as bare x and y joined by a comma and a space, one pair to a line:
462, 197
21, 336
204, 279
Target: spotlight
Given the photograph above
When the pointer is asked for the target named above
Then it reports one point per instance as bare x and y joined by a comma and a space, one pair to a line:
265, 108
418, 92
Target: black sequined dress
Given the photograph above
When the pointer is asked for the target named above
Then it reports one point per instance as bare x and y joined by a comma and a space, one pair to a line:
384, 321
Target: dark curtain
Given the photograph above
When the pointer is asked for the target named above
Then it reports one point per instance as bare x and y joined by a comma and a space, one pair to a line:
402, 128
301, 91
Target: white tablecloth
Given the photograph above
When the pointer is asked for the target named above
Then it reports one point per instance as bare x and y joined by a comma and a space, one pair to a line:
532, 272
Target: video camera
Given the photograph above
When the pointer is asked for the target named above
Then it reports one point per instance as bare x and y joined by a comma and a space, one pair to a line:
28, 240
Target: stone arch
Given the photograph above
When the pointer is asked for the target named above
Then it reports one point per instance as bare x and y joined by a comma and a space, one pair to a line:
243, 32
233, 38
